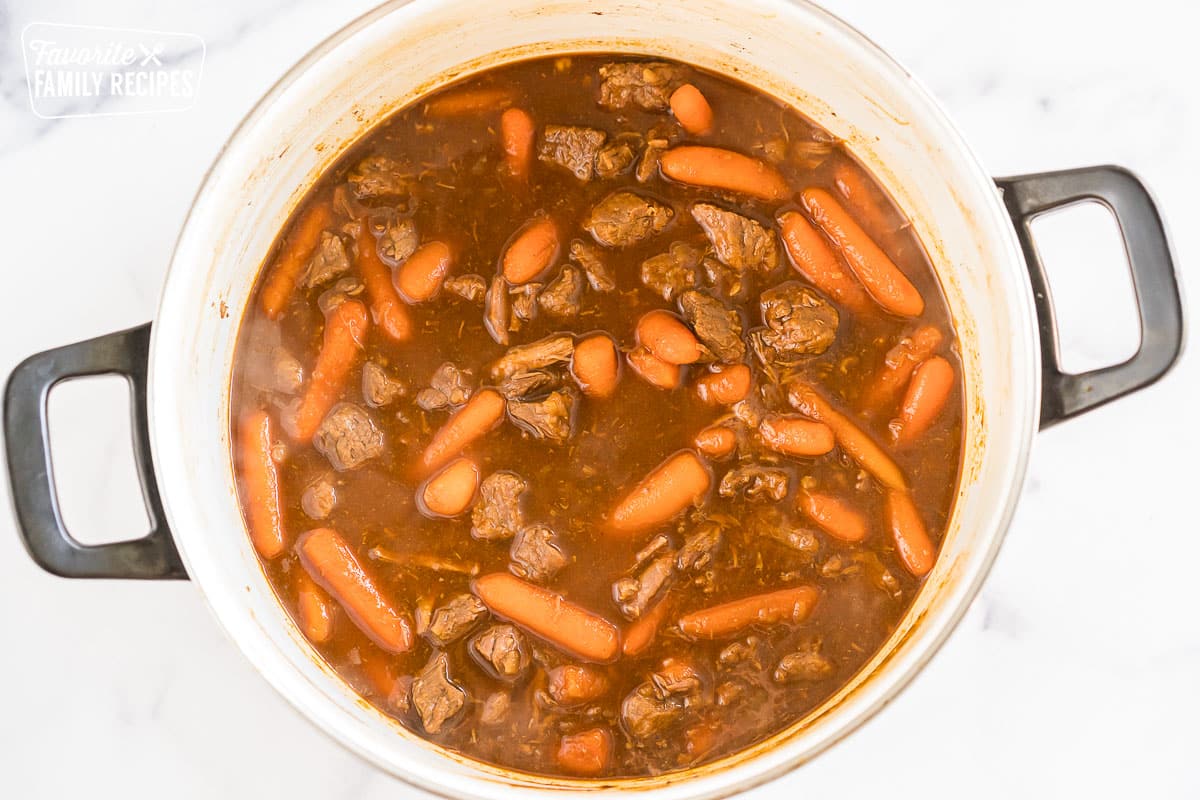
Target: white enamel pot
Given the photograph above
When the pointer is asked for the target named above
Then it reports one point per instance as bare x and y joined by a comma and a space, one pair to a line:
977, 237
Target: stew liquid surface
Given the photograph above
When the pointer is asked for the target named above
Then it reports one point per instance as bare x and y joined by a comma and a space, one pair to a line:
597, 416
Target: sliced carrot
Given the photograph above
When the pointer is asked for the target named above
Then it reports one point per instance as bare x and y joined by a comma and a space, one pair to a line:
595, 365
260, 483
814, 259
332, 564
898, 365
680, 481
386, 306
641, 633
834, 515
572, 684
516, 139
549, 615
927, 394
450, 491
585, 753
783, 606
421, 276
913, 545
795, 436
692, 110
344, 338
530, 251
860, 196
314, 609
717, 168
289, 262
716, 441
665, 335
653, 370
481, 414
724, 386
467, 102
880, 276
853, 439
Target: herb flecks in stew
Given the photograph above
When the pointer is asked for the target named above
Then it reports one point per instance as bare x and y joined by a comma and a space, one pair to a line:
597, 417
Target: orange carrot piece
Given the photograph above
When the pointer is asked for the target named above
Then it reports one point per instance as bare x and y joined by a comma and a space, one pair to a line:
585, 753
715, 441
898, 365
420, 278
595, 365
795, 436
725, 386
468, 102
314, 609
680, 481
913, 545
450, 491
815, 260
834, 516
783, 606
301, 240
665, 335
880, 276
331, 562
927, 394
516, 140
717, 168
530, 251
549, 615
380, 673
572, 684
653, 370
860, 197
260, 483
853, 439
481, 414
386, 306
641, 633
692, 110
344, 338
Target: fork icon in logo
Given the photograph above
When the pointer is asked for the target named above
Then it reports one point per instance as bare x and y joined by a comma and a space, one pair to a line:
151, 55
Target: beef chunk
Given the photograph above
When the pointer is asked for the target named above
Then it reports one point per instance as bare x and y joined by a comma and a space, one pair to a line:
348, 437
616, 157
327, 262
398, 238
671, 273
725, 280
454, 619
524, 304
496, 310
573, 147
498, 513
716, 325
588, 257
342, 290
575, 684
449, 387
645, 84
806, 665
678, 677
798, 323
554, 349
535, 553
625, 218
470, 287
700, 548
437, 698
634, 594
272, 367
378, 176
747, 653
560, 298
644, 713
380, 389
552, 417
755, 481
319, 497
647, 167
531, 384
502, 650
495, 708
660, 544
738, 241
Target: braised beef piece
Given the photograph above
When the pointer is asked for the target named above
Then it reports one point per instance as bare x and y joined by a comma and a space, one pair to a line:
342, 289
738, 241
634, 594
616, 157
560, 298
378, 176
802, 540
746, 653
671, 273
647, 166
554, 349
700, 548
378, 388
495, 708
398, 238
645, 713
573, 147
679, 677
807, 664
660, 544
502, 650
328, 261
645, 84
319, 498
717, 326
437, 699
273, 369
551, 417
535, 553
496, 310
591, 261
449, 387
523, 300
798, 323
726, 282
530, 384
471, 287
755, 482
455, 619
625, 218
348, 437
498, 515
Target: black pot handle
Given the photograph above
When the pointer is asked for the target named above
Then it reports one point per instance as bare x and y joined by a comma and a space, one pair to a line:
31, 474
1160, 310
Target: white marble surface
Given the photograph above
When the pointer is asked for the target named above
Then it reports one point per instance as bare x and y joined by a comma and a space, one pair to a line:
1075, 670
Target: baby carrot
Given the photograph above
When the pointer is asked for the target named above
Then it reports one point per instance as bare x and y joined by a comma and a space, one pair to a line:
516, 139
585, 753
924, 400
814, 259
665, 335
641, 633
680, 481
795, 436
293, 255
450, 492
314, 609
572, 684
345, 334
653, 369
724, 169
386, 306
726, 386
715, 441
852, 185
481, 414
595, 366
549, 615
782, 606
854, 440
260, 482
898, 365
468, 102
882, 279
530, 251
913, 545
332, 564
421, 276
834, 516
692, 110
